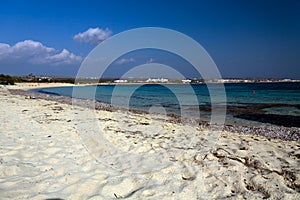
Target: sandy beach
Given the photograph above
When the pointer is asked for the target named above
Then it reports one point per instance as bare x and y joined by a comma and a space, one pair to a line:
27, 86
45, 154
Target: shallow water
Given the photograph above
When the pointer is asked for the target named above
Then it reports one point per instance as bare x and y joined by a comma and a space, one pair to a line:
276, 102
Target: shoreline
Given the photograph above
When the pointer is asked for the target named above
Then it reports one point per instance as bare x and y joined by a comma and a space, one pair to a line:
268, 131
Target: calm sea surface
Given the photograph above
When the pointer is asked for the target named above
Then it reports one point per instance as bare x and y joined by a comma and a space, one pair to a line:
251, 103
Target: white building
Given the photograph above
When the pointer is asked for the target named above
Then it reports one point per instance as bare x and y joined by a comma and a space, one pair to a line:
120, 81
157, 80
186, 81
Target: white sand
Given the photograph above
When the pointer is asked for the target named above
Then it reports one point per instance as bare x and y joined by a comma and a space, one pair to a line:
27, 86
43, 155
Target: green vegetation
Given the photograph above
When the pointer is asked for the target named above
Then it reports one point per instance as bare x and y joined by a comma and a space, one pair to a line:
7, 80
63, 80
11, 80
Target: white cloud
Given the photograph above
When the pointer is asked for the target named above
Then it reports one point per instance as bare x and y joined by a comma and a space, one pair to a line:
93, 35
32, 52
64, 57
124, 61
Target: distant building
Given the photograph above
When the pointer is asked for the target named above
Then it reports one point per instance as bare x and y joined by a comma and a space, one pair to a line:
157, 80
120, 81
186, 81
44, 79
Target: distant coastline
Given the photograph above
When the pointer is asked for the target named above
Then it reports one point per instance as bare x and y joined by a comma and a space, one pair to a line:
11, 80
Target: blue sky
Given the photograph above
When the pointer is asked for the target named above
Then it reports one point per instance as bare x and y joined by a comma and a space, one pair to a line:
244, 38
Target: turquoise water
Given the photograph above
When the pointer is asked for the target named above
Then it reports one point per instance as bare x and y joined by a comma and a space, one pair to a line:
281, 100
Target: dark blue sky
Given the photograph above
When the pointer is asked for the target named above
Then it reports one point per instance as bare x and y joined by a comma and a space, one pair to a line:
244, 38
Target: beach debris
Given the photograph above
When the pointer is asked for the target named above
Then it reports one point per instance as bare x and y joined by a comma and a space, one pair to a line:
58, 108
30, 97
117, 196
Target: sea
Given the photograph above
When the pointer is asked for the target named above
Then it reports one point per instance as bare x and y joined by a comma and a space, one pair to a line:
245, 103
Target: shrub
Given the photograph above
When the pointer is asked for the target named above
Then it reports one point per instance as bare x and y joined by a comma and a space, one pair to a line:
6, 80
